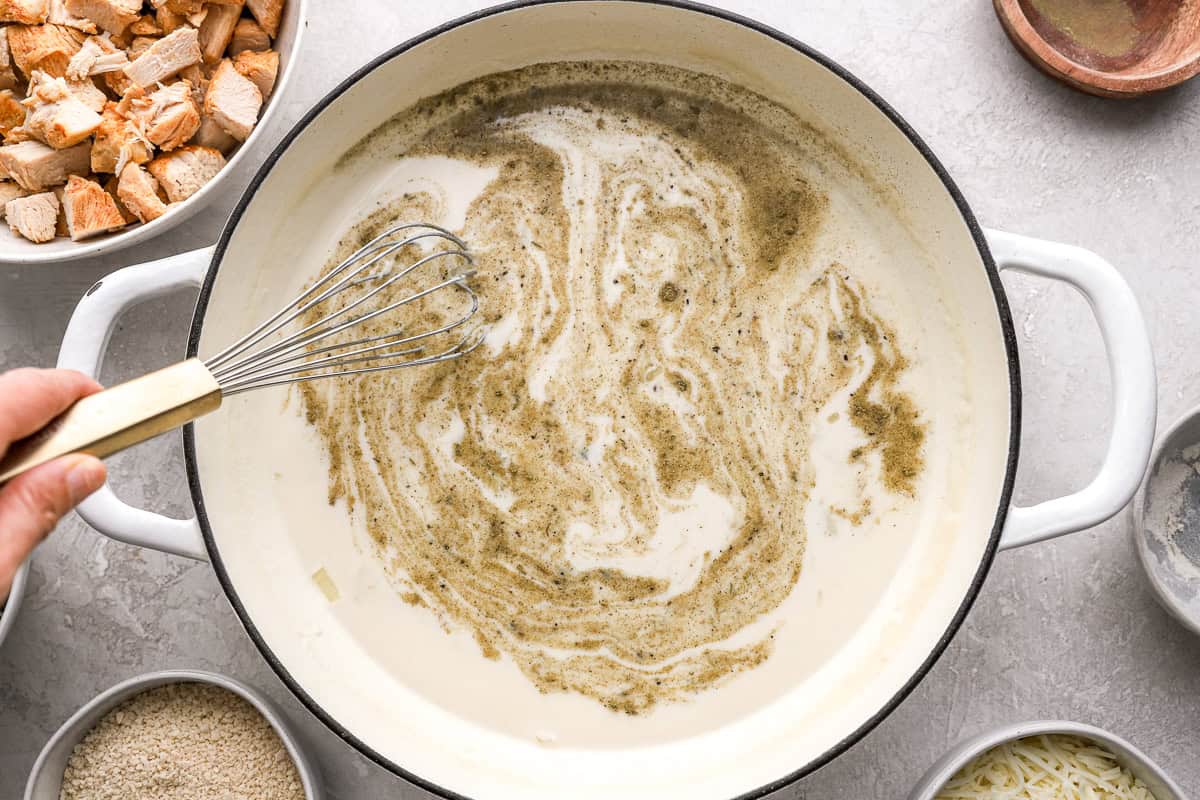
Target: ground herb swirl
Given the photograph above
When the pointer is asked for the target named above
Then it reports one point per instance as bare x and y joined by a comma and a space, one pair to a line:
669, 342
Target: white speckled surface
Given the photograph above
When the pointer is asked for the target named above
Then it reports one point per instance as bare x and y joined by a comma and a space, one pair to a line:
1066, 629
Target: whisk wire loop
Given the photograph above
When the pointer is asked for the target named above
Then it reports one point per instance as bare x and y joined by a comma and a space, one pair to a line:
322, 328
273, 355
288, 354
298, 306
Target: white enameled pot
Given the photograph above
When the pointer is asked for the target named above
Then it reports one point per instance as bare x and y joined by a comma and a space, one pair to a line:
16, 250
365, 665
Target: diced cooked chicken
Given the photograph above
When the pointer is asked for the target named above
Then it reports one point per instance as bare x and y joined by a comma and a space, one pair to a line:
121, 40
261, 68
183, 172
60, 225
268, 13
12, 113
57, 13
176, 118
111, 15
35, 217
19, 133
84, 90
233, 101
110, 62
199, 81
168, 117
110, 186
118, 142
8, 77
27, 12
88, 93
48, 48
165, 58
139, 45
146, 25
90, 210
9, 191
118, 82
183, 7
169, 21
210, 134
217, 30
138, 190
36, 166
248, 35
56, 116
96, 57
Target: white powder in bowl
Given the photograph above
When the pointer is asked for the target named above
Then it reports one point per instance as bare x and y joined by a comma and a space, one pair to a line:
1171, 522
183, 741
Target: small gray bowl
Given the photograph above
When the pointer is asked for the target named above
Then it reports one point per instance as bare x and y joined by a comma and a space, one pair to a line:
45, 782
8, 612
1128, 756
1170, 498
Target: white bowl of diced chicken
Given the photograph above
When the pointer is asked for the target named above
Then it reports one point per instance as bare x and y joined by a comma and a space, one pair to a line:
119, 118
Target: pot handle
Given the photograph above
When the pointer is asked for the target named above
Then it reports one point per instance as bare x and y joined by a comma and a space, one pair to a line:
1134, 386
83, 349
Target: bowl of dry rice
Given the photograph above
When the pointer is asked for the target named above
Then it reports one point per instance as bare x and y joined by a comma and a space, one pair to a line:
182, 734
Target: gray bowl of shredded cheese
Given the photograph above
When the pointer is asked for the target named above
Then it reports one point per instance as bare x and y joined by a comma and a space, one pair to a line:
1049, 760
182, 734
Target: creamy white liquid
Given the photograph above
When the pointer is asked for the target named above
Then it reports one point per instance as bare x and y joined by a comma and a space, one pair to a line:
855, 589
847, 570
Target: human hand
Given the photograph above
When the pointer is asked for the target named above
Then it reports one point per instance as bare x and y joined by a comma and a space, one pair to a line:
32, 504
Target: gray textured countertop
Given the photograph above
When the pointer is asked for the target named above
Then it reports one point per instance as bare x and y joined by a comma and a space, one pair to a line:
1066, 629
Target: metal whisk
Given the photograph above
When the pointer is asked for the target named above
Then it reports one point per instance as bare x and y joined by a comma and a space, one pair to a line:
369, 273
349, 322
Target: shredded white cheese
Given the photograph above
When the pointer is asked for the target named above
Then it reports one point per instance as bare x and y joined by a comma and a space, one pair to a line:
1053, 767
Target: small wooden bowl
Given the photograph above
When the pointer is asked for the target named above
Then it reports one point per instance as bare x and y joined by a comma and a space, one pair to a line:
1111, 48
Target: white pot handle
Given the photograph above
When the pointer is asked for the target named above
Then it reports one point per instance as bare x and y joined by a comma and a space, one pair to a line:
83, 349
1134, 387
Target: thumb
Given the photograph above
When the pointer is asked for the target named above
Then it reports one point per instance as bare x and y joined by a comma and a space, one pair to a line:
32, 504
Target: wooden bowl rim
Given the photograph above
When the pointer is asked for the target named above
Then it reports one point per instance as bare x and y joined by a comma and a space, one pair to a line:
1034, 47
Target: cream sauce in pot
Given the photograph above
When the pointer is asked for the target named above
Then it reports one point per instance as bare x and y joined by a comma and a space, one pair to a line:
612, 492
402, 660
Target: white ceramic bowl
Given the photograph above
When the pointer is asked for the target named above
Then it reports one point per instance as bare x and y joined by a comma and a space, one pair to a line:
8, 613
1171, 575
1127, 755
45, 782
15, 250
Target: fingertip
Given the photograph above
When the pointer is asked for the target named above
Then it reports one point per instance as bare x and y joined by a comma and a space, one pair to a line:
87, 384
84, 474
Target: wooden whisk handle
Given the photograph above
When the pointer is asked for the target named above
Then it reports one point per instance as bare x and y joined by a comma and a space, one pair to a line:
110, 421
